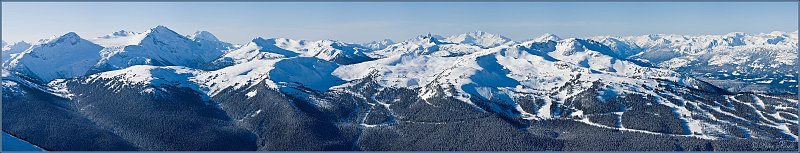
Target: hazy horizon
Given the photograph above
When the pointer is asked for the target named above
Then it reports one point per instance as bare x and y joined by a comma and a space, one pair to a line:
361, 22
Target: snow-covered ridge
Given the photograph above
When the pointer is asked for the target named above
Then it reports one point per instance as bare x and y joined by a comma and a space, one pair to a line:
426, 45
147, 75
480, 38
308, 72
330, 50
547, 37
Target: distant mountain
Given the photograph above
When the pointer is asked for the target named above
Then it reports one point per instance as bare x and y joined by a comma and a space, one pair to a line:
735, 61
11, 50
425, 45
378, 45
480, 39
210, 42
547, 37
330, 50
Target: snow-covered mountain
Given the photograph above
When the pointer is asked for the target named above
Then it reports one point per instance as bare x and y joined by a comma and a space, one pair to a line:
735, 61
210, 42
330, 50
65, 56
474, 91
480, 39
508, 73
277, 73
161, 46
547, 37
378, 45
425, 45
11, 50
157, 46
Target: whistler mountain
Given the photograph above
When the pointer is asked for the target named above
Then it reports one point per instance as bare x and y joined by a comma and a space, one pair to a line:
160, 90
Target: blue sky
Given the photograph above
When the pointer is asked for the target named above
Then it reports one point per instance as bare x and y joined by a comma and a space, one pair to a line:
362, 22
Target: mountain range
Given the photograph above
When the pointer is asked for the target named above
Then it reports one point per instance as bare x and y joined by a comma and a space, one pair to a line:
160, 90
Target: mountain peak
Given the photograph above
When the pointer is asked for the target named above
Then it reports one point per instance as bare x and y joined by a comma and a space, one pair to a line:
203, 35
161, 29
547, 37
428, 38
162, 32
70, 37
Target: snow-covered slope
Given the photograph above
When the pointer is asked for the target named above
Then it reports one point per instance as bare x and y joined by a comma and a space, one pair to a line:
66, 56
11, 143
307, 72
147, 75
525, 68
563, 78
335, 51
